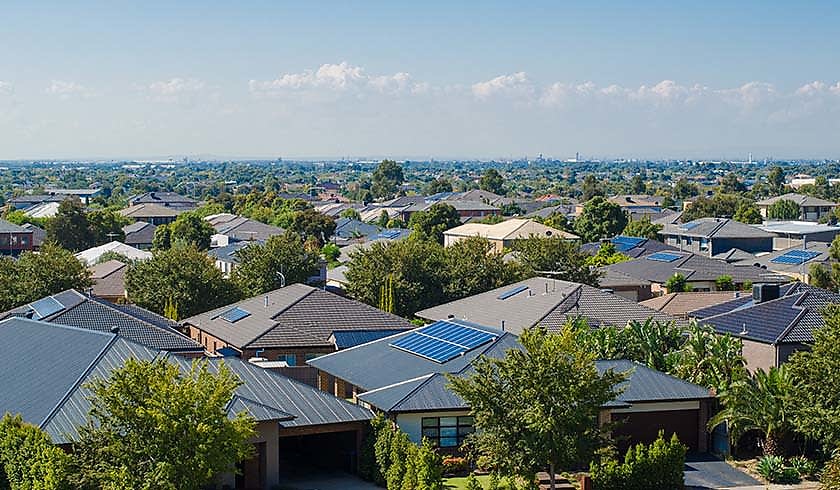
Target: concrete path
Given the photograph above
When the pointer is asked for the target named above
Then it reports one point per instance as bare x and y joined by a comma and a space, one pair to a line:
706, 472
325, 480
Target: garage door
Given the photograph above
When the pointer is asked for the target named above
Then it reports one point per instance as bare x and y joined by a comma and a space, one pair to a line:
644, 427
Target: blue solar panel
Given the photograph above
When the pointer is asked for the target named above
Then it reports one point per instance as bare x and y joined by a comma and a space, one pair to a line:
45, 307
442, 341
390, 234
234, 314
689, 225
507, 294
663, 257
795, 257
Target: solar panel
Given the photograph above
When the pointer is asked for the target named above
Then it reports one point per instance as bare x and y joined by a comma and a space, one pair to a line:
663, 257
512, 292
45, 307
795, 257
442, 341
234, 314
389, 234
689, 225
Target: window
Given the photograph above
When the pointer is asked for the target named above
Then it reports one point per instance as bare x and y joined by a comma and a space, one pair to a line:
688, 240
289, 358
311, 355
704, 244
447, 432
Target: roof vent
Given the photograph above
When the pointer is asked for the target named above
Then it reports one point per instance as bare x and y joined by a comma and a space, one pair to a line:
115, 329
743, 330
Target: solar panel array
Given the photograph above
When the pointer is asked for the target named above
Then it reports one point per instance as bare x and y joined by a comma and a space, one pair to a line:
664, 257
390, 234
795, 257
512, 292
689, 225
234, 314
625, 243
45, 307
442, 341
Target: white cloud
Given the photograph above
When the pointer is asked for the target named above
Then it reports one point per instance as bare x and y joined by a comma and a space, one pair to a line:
65, 89
342, 78
176, 86
817, 88
513, 84
6, 88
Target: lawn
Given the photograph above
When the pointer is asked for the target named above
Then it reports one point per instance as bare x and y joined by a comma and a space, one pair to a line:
460, 482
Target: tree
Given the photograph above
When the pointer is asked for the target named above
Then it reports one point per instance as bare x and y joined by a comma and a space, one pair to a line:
312, 224
816, 383
821, 277
261, 265
492, 181
182, 274
431, 223
642, 228
162, 239
637, 185
70, 228
731, 185
556, 257
717, 206
190, 228
537, 408
649, 342
28, 458
748, 213
436, 186
331, 252
725, 283
600, 219
36, 275
708, 359
684, 189
351, 213
591, 188
783, 209
386, 179
473, 266
776, 179
677, 284
606, 255
760, 402
149, 417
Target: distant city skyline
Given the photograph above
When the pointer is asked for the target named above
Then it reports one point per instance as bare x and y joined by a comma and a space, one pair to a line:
435, 79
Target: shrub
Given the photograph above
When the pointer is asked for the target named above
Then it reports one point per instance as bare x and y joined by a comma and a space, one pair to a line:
803, 466
774, 470
455, 465
659, 465
473, 483
28, 459
830, 477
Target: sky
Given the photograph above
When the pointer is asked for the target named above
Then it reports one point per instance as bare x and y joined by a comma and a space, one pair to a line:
431, 79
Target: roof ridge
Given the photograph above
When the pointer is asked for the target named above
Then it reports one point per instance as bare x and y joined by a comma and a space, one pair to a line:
274, 317
362, 345
126, 314
256, 402
417, 388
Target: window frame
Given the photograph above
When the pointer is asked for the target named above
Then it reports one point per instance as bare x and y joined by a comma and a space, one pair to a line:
431, 428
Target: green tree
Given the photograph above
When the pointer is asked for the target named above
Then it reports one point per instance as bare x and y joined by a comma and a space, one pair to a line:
351, 213
708, 359
606, 255
684, 189
537, 408
600, 219
783, 209
264, 267
106, 226
70, 227
431, 223
441, 184
331, 252
162, 239
776, 179
183, 274
28, 458
748, 213
725, 283
556, 257
642, 228
717, 206
312, 224
190, 228
35, 275
386, 179
731, 185
492, 181
821, 277
677, 284
637, 185
149, 418
473, 266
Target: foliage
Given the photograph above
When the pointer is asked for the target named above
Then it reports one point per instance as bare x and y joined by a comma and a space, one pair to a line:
600, 219
473, 266
731, 185
149, 418
684, 189
386, 179
830, 476
557, 257
368, 466
774, 470
659, 465
642, 228
70, 228
431, 223
821, 277
649, 342
331, 252
184, 274
759, 402
783, 209
452, 465
113, 255
748, 213
717, 206
35, 275
492, 181
436, 186
350, 213
28, 458
269, 207
473, 483
725, 283
261, 264
591, 188
191, 228
399, 464
708, 359
312, 224
606, 255
816, 382
776, 179
677, 284
537, 408
804, 467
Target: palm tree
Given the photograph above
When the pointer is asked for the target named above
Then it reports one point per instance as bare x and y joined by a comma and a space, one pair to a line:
760, 402
709, 359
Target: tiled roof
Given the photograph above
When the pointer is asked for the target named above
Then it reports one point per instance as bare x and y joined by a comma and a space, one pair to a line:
715, 228
162, 198
511, 229
148, 210
296, 316
242, 228
108, 278
800, 199
682, 304
822, 249
139, 232
694, 268
8, 227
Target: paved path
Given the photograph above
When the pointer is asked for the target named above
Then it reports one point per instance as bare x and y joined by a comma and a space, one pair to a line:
326, 480
707, 472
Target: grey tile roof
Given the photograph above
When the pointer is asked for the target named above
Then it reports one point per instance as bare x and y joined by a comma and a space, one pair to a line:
9, 227
788, 319
800, 199
545, 302
352, 228
735, 255
59, 361
296, 316
134, 323
163, 198
646, 247
139, 232
745, 300
822, 248
694, 268
246, 229
228, 252
715, 228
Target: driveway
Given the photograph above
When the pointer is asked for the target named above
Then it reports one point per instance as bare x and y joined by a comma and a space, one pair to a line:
707, 472
325, 480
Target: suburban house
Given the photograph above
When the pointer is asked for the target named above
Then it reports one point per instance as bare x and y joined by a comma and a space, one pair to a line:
39, 235
810, 208
151, 213
225, 257
413, 392
85, 195
700, 272
165, 199
27, 201
711, 236
628, 287
465, 209
683, 305
15, 239
797, 233
774, 323
139, 325
290, 324
638, 206
503, 235
294, 422
234, 228
796, 261
92, 255
546, 302
42, 210
139, 235
630, 246
350, 229
109, 280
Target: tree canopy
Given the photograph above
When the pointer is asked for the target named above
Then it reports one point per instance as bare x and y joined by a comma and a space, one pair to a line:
556, 257
783, 209
386, 179
492, 181
431, 223
600, 219
261, 265
35, 275
642, 228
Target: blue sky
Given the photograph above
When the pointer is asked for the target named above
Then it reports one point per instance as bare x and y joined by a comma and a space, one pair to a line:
419, 79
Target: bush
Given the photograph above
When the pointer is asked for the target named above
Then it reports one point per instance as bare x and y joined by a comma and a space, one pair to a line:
830, 477
774, 470
803, 466
473, 483
28, 459
455, 465
399, 464
659, 465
